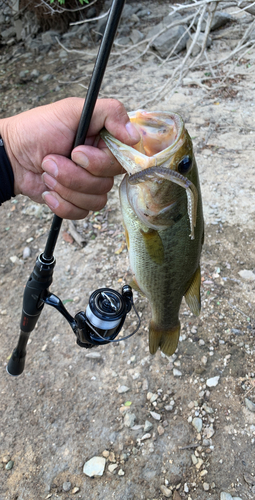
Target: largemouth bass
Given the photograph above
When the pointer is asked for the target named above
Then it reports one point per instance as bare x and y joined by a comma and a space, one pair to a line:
163, 220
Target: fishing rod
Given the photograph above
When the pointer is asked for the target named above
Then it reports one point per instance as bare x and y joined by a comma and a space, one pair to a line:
107, 309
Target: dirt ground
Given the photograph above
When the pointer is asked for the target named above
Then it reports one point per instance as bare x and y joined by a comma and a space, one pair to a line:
65, 408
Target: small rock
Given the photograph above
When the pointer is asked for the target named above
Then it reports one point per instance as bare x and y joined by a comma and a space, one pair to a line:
129, 419
247, 275
26, 253
136, 427
209, 432
94, 467
112, 467
46, 78
93, 355
208, 409
75, 490
145, 436
6, 459
212, 382
66, 486
169, 407
112, 456
14, 259
121, 472
185, 488
106, 453
161, 430
177, 373
206, 486
199, 463
145, 385
35, 73
165, 491
136, 36
249, 404
155, 415
9, 465
225, 496
153, 397
249, 479
147, 426
203, 473
197, 423
176, 495
123, 388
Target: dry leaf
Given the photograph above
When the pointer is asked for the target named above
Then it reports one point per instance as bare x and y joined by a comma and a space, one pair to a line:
67, 237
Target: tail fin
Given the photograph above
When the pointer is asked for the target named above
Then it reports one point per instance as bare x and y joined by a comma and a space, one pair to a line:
167, 340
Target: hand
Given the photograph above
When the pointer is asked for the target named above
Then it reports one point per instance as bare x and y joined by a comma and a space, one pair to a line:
39, 141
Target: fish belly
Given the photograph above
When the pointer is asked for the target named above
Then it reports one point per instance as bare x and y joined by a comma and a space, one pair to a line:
163, 275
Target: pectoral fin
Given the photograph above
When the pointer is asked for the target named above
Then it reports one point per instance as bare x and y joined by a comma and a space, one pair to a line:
192, 296
154, 245
166, 339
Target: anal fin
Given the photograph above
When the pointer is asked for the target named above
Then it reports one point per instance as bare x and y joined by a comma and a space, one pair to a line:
166, 339
192, 296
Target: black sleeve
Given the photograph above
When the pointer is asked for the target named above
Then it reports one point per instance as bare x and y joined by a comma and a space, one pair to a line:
6, 175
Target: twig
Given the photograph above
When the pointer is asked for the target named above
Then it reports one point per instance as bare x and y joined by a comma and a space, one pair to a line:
90, 20
76, 236
195, 445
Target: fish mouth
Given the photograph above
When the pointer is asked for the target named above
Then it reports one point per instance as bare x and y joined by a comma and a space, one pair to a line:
151, 168
161, 135
158, 131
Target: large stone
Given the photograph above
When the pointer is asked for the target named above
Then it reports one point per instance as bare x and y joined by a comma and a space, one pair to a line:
165, 42
8, 33
198, 45
49, 37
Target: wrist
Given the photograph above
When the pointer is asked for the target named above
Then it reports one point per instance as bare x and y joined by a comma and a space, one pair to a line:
6, 171
6, 136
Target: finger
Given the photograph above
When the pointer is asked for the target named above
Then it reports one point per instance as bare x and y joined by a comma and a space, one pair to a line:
99, 162
63, 171
87, 201
68, 210
62, 208
108, 113
111, 114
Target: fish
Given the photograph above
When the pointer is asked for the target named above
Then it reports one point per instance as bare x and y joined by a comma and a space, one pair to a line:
162, 215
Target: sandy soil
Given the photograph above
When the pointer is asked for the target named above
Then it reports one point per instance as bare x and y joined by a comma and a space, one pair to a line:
65, 408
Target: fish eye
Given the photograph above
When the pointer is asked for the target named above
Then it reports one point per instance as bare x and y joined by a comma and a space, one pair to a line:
185, 165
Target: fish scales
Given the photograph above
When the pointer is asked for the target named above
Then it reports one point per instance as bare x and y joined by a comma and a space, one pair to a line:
163, 226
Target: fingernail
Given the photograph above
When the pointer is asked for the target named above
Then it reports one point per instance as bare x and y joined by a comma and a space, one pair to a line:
81, 159
49, 181
51, 167
50, 200
132, 132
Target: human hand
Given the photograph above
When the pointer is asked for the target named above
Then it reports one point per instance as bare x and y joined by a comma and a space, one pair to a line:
39, 141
